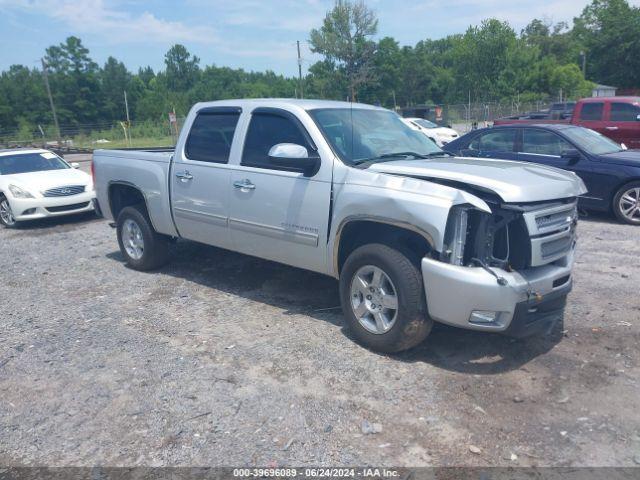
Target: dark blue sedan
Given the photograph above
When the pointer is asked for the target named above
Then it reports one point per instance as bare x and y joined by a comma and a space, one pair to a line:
611, 173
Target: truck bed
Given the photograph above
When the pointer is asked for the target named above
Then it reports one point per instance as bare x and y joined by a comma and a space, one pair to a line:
148, 169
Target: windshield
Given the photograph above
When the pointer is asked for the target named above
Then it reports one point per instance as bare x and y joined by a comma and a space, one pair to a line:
30, 162
592, 141
362, 134
425, 123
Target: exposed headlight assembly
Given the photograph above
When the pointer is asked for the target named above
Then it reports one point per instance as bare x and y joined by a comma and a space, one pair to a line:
456, 234
18, 192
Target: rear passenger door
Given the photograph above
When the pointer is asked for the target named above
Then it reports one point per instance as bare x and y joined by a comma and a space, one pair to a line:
275, 212
200, 177
624, 123
495, 143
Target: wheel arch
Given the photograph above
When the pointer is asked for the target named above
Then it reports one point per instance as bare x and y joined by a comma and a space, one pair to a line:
123, 194
613, 207
357, 231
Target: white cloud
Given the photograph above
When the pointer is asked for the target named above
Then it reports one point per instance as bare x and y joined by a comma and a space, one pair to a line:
115, 25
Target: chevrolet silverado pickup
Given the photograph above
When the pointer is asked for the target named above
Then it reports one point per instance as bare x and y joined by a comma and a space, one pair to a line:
413, 234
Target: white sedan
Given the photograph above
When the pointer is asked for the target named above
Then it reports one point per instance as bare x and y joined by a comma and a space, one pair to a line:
38, 183
438, 135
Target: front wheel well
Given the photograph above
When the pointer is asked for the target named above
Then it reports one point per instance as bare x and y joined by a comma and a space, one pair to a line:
362, 232
123, 195
615, 190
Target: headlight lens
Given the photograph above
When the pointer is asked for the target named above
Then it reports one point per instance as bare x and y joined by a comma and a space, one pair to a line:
456, 235
18, 192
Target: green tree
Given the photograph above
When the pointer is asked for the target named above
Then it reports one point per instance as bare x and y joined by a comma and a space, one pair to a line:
568, 79
610, 33
554, 40
345, 41
115, 79
480, 57
183, 69
74, 84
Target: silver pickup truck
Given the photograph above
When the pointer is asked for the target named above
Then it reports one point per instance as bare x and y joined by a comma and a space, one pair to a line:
348, 190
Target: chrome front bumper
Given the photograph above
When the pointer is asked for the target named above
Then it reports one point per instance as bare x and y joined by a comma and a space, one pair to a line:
454, 292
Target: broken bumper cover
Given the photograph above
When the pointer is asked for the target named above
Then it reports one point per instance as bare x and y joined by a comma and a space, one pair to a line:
470, 297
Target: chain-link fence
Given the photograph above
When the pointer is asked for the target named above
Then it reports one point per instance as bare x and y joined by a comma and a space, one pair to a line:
122, 134
157, 133
464, 117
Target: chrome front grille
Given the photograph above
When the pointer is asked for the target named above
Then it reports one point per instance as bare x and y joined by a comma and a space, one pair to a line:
554, 247
64, 191
552, 231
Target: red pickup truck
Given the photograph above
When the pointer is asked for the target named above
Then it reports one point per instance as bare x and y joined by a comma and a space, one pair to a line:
615, 117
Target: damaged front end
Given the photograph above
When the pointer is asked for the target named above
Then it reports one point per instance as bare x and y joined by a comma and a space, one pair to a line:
508, 270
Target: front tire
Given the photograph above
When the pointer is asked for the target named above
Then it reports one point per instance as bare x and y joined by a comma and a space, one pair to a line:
626, 203
383, 299
6, 214
142, 248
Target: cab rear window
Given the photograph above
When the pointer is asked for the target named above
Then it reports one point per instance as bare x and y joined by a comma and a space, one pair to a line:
211, 136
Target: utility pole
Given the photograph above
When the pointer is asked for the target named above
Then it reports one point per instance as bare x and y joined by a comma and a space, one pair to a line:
126, 107
53, 108
584, 63
300, 69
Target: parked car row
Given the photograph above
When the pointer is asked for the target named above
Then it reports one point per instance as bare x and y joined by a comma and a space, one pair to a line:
615, 117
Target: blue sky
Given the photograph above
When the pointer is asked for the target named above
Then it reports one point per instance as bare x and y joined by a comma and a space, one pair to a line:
252, 34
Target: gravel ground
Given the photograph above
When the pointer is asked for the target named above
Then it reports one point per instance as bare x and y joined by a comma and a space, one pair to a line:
222, 359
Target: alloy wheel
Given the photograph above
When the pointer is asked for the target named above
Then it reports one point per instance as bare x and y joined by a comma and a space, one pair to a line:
132, 239
629, 204
374, 299
6, 214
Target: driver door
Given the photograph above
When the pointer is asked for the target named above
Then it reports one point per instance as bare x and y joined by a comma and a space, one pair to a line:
276, 212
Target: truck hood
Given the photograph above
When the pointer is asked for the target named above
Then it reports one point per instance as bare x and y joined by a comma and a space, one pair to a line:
516, 182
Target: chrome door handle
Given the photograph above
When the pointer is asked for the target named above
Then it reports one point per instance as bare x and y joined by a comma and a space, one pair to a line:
244, 184
611, 128
184, 176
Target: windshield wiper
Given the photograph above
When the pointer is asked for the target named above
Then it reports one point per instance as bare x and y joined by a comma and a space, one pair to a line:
440, 154
389, 156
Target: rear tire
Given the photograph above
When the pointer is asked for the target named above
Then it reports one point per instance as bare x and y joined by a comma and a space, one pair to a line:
142, 248
383, 299
626, 203
6, 214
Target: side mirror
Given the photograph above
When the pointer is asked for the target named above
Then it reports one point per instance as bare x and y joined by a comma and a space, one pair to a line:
75, 165
294, 157
638, 118
572, 155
